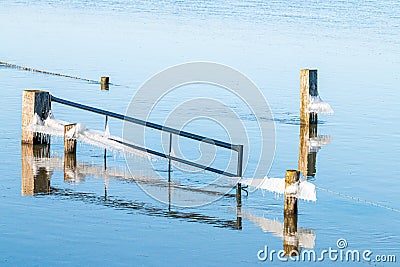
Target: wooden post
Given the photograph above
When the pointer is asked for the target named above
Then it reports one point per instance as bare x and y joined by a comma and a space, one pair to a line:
105, 83
308, 87
34, 179
290, 237
291, 183
69, 141
34, 102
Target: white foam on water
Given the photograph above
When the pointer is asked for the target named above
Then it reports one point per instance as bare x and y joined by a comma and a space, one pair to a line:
302, 190
317, 105
54, 127
315, 143
276, 185
307, 191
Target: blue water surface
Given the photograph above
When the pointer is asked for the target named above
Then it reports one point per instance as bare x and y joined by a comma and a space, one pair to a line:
355, 47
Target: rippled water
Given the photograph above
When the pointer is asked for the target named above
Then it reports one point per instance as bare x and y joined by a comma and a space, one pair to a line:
96, 220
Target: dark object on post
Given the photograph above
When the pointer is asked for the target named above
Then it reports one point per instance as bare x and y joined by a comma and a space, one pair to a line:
34, 102
308, 88
105, 83
291, 185
69, 140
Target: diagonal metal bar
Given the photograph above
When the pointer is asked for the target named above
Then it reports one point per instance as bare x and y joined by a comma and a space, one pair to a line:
184, 161
147, 124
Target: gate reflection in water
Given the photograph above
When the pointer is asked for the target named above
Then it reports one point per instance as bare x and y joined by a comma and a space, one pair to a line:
38, 167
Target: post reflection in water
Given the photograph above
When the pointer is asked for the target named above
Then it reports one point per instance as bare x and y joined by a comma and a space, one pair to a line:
70, 171
35, 180
307, 156
294, 238
290, 236
310, 143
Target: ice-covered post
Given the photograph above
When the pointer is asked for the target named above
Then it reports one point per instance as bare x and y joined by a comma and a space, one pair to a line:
69, 139
308, 88
291, 187
104, 83
34, 102
69, 152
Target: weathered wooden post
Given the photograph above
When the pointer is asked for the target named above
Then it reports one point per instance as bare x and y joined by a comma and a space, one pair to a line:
308, 121
69, 139
34, 179
70, 153
291, 187
308, 88
105, 83
34, 102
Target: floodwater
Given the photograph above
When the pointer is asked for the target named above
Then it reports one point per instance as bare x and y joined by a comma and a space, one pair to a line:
100, 219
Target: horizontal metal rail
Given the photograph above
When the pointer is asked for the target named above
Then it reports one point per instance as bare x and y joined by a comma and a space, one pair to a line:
237, 148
